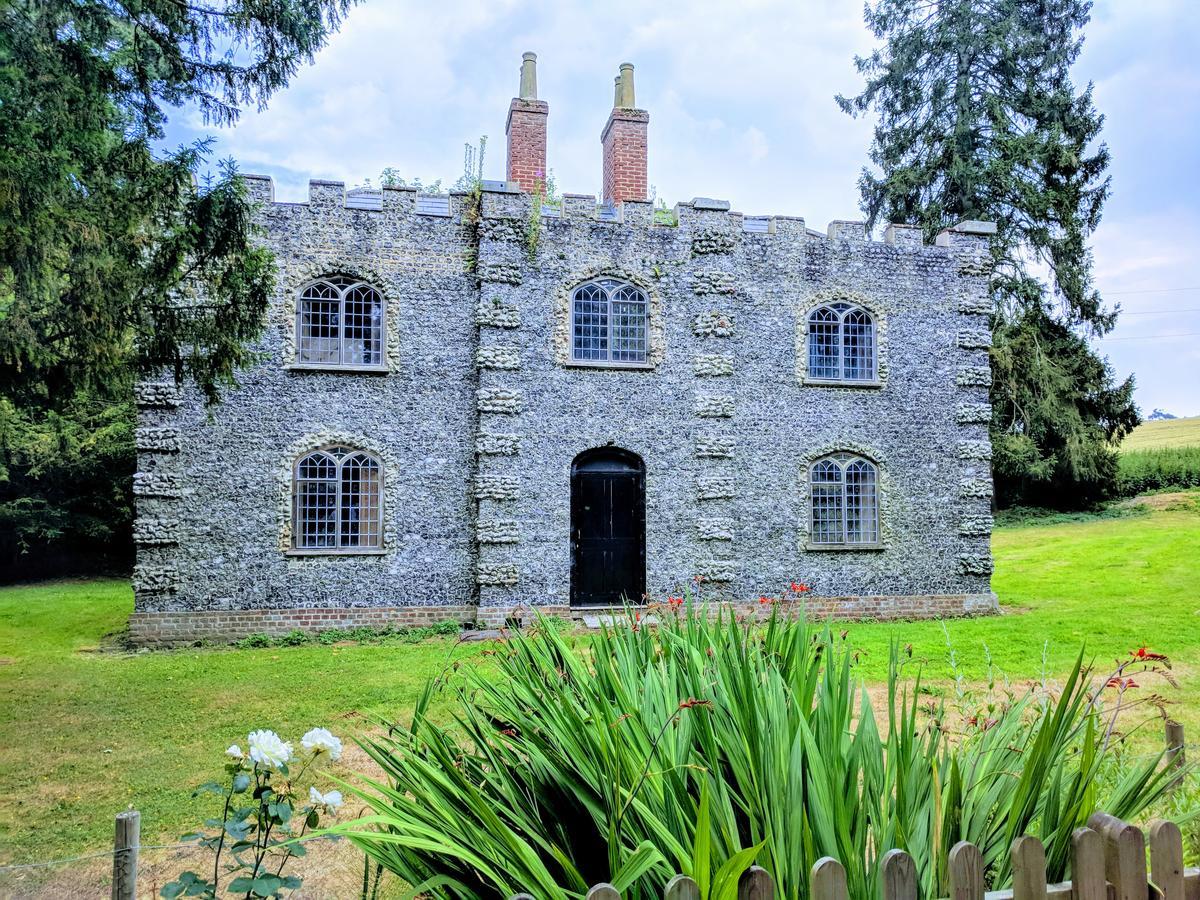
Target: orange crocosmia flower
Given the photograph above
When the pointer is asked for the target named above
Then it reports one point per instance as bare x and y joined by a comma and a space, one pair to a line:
799, 587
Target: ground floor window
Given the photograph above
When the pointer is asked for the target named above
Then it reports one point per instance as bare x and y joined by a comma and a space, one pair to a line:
845, 501
336, 500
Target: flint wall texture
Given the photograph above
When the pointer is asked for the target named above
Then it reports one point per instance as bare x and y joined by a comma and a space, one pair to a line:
480, 414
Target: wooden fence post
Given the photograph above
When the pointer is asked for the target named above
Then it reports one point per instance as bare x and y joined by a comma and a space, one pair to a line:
681, 888
1029, 868
756, 884
603, 891
125, 855
1166, 859
966, 872
1175, 757
899, 876
1124, 856
828, 880
1087, 865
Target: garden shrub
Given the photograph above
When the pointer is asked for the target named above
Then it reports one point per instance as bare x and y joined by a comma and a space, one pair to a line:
1139, 471
703, 744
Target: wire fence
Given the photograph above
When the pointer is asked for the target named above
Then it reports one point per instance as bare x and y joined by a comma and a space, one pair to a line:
330, 869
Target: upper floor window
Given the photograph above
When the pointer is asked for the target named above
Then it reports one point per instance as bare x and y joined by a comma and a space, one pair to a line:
841, 343
609, 323
845, 500
339, 322
337, 500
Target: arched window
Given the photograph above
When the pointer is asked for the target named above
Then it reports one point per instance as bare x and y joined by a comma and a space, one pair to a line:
609, 323
841, 343
336, 500
845, 500
339, 322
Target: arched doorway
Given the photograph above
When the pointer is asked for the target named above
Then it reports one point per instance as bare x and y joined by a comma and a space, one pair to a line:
608, 527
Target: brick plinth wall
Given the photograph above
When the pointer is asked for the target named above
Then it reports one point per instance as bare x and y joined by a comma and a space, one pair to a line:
168, 628
526, 132
624, 140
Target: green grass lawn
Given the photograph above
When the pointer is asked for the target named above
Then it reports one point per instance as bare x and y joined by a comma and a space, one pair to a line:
1164, 433
88, 733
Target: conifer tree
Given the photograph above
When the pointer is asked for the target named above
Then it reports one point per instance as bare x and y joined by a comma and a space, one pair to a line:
116, 257
978, 119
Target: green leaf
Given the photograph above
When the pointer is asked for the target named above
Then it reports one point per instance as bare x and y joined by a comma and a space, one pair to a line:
641, 861
241, 782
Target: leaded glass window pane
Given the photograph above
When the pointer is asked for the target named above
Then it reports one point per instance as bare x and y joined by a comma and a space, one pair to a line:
845, 501
340, 322
841, 343
337, 500
609, 323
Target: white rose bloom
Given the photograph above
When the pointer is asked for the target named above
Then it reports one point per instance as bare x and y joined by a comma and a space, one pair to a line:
330, 802
319, 740
235, 752
269, 750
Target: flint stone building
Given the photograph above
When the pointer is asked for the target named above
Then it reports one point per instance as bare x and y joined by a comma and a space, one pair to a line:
471, 405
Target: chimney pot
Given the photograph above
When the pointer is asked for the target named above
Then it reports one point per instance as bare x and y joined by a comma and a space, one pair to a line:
528, 76
625, 80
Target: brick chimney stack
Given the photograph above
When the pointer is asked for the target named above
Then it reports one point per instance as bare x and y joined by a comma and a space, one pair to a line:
526, 130
624, 142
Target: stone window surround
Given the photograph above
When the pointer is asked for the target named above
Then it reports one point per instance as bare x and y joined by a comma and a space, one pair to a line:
882, 498
285, 514
878, 316
656, 349
284, 313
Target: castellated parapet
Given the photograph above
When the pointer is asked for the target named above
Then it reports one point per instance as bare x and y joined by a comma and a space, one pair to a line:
477, 414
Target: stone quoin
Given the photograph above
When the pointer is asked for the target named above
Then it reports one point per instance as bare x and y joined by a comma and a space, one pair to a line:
452, 419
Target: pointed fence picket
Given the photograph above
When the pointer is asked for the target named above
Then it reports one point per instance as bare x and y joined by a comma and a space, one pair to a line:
1108, 862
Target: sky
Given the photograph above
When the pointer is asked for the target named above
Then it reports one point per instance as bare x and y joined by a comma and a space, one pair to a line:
741, 103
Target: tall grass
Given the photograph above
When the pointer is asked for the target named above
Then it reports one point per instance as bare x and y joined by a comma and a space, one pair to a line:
1165, 467
701, 745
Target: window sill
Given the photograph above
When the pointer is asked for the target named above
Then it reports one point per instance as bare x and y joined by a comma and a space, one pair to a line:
833, 382
600, 364
844, 548
333, 367
347, 551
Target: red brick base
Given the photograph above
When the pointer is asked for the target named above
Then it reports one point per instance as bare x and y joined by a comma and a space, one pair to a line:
184, 627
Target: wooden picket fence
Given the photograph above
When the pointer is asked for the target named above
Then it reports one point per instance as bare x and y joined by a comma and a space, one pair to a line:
1108, 862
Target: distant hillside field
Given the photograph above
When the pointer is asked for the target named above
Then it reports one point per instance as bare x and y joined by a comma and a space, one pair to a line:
1164, 433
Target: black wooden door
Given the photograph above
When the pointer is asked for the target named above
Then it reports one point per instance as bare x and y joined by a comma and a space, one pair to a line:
608, 528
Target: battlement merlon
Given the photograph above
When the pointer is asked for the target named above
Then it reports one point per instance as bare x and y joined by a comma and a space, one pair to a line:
502, 199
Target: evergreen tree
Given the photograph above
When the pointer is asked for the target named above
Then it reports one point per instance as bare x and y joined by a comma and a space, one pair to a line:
979, 119
116, 259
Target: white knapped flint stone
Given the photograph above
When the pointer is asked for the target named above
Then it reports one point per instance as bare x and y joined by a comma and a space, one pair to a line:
975, 266
498, 358
157, 484
151, 394
975, 563
715, 446
161, 439
973, 413
497, 574
151, 530
975, 450
975, 305
975, 488
500, 273
713, 365
713, 324
718, 529
721, 571
497, 314
714, 406
151, 579
974, 376
715, 487
975, 526
711, 240
497, 487
493, 443
704, 283
974, 340
498, 400
498, 531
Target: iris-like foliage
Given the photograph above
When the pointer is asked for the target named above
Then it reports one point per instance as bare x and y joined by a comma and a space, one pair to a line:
700, 745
